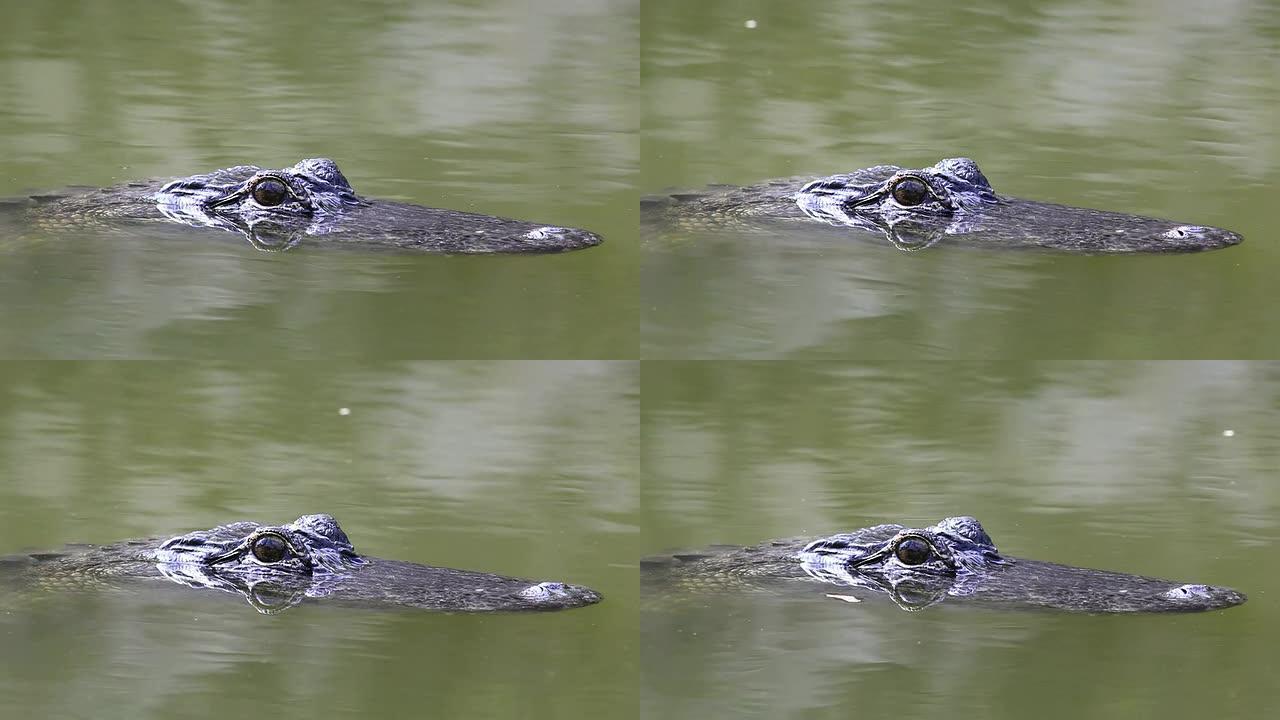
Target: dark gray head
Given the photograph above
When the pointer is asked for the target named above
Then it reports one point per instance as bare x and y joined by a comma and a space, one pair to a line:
952, 201
276, 567
312, 202
311, 186
956, 558
310, 544
889, 191
954, 547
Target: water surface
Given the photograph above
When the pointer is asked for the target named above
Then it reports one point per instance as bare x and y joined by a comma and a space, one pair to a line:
1167, 113
484, 107
503, 467
1163, 469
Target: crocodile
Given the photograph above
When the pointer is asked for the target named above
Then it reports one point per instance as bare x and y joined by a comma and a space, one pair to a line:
950, 203
276, 567
953, 561
308, 204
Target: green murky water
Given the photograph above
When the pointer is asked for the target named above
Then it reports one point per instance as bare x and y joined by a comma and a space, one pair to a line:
483, 107
509, 467
1170, 113
1118, 466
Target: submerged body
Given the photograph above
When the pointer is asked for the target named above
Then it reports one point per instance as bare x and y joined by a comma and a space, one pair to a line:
953, 561
308, 204
277, 567
950, 203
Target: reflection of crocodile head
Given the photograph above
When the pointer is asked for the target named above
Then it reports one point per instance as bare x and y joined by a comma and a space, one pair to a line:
277, 567
950, 203
310, 203
953, 561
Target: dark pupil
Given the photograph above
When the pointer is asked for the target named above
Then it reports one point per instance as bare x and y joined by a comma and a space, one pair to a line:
270, 548
270, 192
910, 191
913, 551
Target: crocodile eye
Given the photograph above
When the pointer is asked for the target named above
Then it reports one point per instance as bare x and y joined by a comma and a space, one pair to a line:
270, 548
912, 551
269, 192
910, 191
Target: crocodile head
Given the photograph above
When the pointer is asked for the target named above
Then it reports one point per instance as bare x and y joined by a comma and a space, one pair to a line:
280, 209
919, 208
275, 567
957, 559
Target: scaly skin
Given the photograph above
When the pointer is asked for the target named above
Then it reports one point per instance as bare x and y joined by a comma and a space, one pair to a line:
953, 561
308, 204
950, 203
277, 567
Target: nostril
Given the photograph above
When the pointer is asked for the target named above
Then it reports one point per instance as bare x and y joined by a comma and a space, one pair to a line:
1188, 592
1183, 232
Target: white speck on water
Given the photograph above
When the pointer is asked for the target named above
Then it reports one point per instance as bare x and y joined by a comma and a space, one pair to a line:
1228, 433
846, 598
344, 411
750, 24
